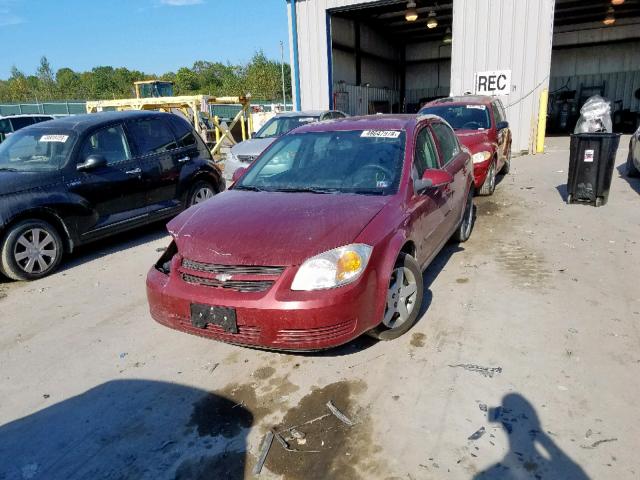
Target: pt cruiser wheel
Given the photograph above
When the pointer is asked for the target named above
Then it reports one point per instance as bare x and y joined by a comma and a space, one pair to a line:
200, 192
32, 249
404, 299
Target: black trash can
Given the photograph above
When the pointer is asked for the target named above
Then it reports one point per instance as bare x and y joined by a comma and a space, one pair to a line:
591, 166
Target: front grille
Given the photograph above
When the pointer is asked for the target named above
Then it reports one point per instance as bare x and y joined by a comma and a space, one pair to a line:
246, 158
246, 333
239, 285
231, 269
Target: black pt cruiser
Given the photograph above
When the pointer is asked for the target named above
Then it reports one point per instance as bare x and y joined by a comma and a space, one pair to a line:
70, 181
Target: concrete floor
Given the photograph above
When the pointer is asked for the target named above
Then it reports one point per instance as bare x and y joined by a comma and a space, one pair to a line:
525, 364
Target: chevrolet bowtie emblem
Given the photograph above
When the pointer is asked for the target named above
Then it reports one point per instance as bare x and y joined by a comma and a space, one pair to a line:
223, 277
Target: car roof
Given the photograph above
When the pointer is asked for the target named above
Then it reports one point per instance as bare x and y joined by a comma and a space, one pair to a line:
80, 123
462, 99
367, 122
304, 113
28, 115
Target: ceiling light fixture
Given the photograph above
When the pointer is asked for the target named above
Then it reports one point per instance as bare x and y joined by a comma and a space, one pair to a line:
617, 2
447, 37
411, 14
432, 21
609, 19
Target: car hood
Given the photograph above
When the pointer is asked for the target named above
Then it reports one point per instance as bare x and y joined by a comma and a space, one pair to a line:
253, 147
16, 182
473, 138
271, 228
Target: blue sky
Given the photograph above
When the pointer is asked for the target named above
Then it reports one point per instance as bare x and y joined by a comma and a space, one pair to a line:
155, 36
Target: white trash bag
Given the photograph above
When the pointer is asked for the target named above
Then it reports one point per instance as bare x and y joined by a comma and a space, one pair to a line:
595, 116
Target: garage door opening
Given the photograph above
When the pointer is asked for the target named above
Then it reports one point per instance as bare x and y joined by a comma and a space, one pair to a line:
595, 52
389, 57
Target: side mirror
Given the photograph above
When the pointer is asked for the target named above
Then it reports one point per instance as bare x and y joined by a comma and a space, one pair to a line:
432, 178
502, 125
92, 162
238, 173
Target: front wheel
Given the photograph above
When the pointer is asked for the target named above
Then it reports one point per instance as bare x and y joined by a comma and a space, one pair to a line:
404, 299
200, 192
632, 171
32, 249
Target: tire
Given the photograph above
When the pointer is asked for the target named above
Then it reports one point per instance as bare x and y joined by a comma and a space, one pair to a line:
200, 192
506, 168
489, 185
632, 171
463, 232
569, 199
397, 320
19, 263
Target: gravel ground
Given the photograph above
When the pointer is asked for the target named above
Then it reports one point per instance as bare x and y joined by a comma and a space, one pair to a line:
524, 365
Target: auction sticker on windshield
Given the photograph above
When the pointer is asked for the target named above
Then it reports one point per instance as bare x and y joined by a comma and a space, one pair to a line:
380, 134
477, 107
54, 138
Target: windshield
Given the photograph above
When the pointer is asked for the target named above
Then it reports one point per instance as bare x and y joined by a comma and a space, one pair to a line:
280, 125
360, 161
35, 150
462, 117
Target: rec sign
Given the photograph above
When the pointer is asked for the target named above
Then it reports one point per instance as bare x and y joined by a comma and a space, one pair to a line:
496, 82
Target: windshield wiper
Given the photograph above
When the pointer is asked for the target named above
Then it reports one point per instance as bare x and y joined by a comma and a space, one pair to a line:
8, 169
307, 189
248, 187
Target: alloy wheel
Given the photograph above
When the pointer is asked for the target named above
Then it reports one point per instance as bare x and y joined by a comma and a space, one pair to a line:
202, 194
35, 251
401, 297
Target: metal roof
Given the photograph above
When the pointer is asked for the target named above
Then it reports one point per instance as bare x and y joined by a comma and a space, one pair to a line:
83, 122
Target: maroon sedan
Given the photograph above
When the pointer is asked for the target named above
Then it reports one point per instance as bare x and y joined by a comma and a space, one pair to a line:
481, 125
322, 239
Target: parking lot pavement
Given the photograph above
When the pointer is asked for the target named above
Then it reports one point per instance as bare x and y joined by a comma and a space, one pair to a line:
524, 365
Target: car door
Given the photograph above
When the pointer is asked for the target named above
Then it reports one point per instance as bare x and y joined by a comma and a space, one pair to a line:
428, 208
114, 191
160, 160
454, 161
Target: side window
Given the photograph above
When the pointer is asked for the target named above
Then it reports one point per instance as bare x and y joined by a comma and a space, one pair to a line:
21, 122
497, 114
184, 132
425, 155
447, 140
109, 142
151, 136
282, 160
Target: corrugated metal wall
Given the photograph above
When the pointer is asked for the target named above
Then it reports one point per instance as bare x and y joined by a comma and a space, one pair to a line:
522, 44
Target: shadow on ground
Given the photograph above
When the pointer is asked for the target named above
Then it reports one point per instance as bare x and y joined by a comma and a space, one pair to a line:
130, 429
633, 182
532, 452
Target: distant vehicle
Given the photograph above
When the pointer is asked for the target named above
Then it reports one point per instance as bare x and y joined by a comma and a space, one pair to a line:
633, 159
13, 123
242, 154
73, 180
481, 125
153, 89
322, 239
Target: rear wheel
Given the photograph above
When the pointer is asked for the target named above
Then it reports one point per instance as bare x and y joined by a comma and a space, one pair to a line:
632, 171
32, 249
489, 185
404, 299
200, 192
463, 232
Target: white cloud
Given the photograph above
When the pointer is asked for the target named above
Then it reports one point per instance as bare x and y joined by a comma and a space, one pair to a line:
180, 3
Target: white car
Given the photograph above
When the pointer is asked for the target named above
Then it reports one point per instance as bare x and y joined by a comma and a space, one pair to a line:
633, 160
244, 153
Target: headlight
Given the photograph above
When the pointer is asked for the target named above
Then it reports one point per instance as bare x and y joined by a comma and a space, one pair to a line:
333, 268
481, 157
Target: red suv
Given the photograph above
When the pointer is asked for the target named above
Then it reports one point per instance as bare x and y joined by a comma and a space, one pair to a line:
322, 239
481, 125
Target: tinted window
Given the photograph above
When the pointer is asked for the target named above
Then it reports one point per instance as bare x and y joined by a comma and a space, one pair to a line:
5, 125
497, 113
109, 142
425, 155
151, 135
462, 117
40, 119
447, 140
184, 131
36, 150
21, 122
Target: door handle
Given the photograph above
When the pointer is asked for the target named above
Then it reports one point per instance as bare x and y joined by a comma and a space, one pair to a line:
184, 159
135, 171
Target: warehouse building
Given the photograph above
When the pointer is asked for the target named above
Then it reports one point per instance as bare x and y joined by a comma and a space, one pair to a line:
542, 57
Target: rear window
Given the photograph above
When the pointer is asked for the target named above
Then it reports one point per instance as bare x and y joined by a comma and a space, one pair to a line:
5, 126
21, 122
462, 117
